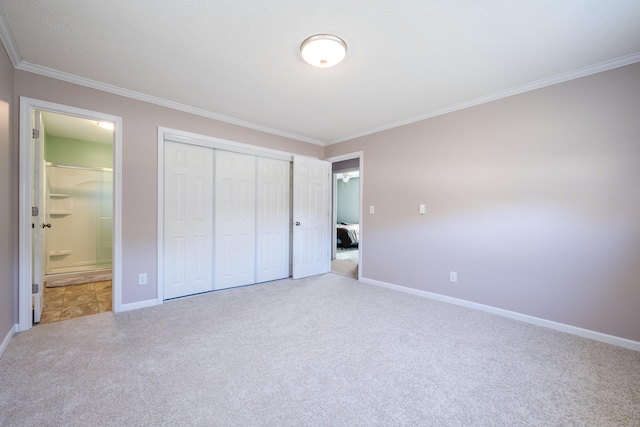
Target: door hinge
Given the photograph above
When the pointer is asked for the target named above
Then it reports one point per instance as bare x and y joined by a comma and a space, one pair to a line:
35, 211
35, 133
34, 288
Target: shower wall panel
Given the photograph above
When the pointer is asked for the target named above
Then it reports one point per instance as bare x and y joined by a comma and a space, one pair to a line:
80, 211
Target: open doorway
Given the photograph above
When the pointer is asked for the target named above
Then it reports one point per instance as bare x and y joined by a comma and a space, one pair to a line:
76, 215
70, 211
346, 217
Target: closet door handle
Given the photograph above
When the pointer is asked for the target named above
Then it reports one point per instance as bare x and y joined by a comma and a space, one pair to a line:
47, 225
297, 222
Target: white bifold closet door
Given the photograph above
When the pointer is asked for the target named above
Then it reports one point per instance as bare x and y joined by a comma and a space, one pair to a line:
235, 219
227, 219
273, 219
188, 219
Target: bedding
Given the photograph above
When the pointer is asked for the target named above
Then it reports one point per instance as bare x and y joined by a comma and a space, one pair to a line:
348, 234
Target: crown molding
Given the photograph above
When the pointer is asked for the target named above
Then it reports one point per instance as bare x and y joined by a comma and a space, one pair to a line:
71, 78
560, 78
9, 43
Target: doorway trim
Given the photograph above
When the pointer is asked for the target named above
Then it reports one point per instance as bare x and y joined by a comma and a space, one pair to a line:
360, 156
25, 254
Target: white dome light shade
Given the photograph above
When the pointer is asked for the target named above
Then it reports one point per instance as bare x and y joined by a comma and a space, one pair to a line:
323, 50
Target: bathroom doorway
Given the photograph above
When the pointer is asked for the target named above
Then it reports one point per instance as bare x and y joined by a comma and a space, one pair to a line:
34, 222
76, 216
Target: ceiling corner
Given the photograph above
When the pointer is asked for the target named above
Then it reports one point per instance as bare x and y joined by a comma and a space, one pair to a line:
8, 41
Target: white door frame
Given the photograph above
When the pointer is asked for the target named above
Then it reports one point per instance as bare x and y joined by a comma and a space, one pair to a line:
360, 156
27, 106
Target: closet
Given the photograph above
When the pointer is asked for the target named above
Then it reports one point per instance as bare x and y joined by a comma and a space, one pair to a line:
226, 219
188, 219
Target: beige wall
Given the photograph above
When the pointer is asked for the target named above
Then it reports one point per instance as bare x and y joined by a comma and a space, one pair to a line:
8, 209
140, 172
534, 200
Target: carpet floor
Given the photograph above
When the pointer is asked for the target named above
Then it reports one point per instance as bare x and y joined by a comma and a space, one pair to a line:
321, 351
344, 268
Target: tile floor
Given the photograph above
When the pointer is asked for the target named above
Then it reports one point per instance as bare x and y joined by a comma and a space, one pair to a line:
67, 302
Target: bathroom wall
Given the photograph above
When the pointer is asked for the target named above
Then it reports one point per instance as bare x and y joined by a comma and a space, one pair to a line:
72, 152
81, 239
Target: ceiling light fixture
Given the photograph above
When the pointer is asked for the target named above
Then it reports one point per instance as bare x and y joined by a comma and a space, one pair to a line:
323, 50
106, 125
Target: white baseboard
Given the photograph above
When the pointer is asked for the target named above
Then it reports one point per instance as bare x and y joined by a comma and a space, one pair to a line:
7, 339
137, 305
586, 333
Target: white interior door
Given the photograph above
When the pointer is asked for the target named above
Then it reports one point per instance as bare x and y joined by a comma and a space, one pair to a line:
235, 219
311, 217
40, 221
272, 219
188, 219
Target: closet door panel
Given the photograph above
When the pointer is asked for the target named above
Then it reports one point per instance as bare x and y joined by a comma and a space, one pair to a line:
235, 217
273, 219
188, 219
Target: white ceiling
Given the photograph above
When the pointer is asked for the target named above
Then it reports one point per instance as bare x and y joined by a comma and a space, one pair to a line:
75, 128
239, 61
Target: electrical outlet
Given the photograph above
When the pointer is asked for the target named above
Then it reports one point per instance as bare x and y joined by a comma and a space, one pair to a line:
142, 279
422, 209
453, 277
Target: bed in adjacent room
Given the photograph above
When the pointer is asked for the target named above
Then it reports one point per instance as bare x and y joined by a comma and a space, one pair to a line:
348, 235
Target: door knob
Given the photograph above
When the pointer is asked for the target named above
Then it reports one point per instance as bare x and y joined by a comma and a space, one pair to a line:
297, 222
48, 225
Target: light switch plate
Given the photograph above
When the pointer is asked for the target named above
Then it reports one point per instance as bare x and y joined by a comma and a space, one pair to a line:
372, 210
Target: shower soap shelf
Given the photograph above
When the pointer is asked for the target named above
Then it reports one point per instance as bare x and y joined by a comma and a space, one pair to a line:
59, 253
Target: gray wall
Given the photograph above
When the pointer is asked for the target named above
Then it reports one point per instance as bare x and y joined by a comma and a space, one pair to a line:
9, 206
533, 199
348, 195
